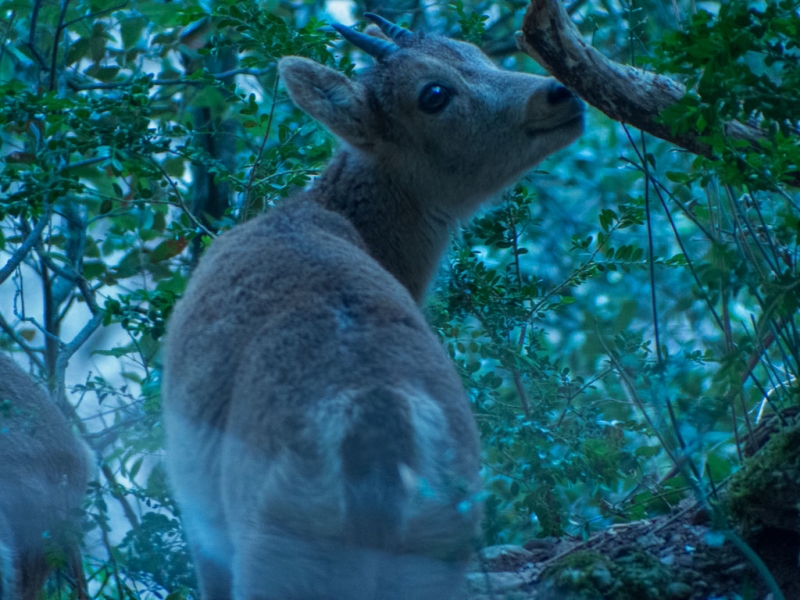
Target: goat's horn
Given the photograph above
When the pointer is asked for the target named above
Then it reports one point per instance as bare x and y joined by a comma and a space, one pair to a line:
372, 45
395, 32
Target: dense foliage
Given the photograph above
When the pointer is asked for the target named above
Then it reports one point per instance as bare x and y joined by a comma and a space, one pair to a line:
620, 318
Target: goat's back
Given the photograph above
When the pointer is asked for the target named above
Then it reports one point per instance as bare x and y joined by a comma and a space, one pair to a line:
301, 376
44, 470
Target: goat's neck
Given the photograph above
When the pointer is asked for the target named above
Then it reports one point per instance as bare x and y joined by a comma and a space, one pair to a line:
400, 229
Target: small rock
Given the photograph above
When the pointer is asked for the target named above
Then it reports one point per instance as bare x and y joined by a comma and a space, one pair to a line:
505, 557
541, 543
684, 560
649, 539
668, 560
679, 590
700, 584
495, 583
736, 569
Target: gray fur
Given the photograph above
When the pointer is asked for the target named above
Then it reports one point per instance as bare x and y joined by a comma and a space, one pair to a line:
319, 442
44, 470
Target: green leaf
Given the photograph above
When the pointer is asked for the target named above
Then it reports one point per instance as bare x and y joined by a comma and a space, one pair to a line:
135, 468
94, 269
131, 30
677, 176
167, 249
101, 73
77, 51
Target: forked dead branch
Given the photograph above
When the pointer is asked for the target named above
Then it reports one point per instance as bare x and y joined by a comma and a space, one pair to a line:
319, 442
624, 93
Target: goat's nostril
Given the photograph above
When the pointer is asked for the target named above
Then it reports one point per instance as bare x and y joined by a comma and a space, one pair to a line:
558, 93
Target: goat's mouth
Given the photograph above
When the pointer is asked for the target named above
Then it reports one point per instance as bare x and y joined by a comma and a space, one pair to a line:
536, 129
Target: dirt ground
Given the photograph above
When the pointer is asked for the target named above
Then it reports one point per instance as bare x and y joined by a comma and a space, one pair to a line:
676, 556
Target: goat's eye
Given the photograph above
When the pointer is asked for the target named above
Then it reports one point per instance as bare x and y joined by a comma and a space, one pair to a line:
434, 98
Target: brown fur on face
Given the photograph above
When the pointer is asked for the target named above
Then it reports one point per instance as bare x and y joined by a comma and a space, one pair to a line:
44, 470
320, 444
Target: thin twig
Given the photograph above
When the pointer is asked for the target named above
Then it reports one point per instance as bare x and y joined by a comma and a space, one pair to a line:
651, 259
32, 354
197, 223
578, 393
96, 13
113, 561
84, 163
650, 244
736, 206
636, 400
249, 194
684, 209
577, 273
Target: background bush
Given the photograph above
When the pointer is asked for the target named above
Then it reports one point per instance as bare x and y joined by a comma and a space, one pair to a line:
619, 318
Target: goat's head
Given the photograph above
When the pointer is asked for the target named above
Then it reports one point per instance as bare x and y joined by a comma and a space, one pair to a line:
437, 114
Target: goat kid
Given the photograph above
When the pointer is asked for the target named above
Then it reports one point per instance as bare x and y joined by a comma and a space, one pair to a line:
319, 442
44, 470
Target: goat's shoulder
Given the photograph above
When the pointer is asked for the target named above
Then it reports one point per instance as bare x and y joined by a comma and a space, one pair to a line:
300, 267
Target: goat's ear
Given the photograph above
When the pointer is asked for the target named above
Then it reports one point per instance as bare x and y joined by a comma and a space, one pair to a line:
329, 97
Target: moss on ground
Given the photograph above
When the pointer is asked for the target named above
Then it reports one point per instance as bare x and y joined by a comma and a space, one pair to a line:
765, 493
591, 576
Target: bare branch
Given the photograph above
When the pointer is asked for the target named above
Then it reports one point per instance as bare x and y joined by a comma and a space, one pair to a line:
72, 274
26, 246
164, 82
622, 92
54, 54
34, 17
84, 163
523, 395
39, 58
65, 353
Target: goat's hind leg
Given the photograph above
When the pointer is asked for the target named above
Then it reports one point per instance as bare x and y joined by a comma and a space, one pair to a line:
214, 580
280, 566
276, 565
414, 577
212, 555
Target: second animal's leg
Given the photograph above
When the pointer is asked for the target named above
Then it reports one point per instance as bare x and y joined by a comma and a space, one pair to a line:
32, 571
8, 572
